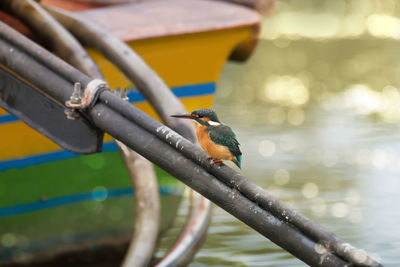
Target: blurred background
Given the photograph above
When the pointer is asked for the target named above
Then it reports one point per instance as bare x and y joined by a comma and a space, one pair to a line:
317, 112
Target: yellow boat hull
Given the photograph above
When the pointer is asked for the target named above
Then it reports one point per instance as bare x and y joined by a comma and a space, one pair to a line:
50, 197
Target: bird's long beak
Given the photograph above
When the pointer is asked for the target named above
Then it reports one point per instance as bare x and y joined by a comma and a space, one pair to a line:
183, 116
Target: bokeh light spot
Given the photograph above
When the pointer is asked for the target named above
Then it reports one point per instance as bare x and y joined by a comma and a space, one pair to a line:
340, 210
8, 240
266, 148
99, 193
281, 177
310, 190
286, 90
382, 25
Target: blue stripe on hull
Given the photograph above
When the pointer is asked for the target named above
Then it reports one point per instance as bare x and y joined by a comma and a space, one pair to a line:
48, 157
136, 97
7, 118
72, 199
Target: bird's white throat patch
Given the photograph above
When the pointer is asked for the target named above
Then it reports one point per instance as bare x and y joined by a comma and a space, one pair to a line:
214, 123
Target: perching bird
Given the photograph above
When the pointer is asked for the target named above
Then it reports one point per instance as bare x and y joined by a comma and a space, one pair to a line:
217, 139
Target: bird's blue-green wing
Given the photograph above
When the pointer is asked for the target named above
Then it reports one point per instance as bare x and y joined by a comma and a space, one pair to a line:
224, 135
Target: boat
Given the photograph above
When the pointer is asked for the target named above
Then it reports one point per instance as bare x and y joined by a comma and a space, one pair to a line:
53, 201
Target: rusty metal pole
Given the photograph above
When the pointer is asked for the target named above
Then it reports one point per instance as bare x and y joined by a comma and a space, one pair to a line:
164, 102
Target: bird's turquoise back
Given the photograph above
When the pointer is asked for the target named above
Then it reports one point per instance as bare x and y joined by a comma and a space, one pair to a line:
223, 135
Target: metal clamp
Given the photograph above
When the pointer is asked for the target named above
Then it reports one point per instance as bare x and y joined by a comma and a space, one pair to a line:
79, 102
122, 93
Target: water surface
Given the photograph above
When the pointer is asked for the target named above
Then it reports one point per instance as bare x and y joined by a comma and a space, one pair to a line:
334, 154
317, 113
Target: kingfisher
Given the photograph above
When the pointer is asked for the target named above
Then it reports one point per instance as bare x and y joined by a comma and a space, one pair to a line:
217, 139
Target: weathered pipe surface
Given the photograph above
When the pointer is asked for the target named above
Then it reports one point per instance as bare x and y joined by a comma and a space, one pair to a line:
132, 65
245, 186
164, 102
32, 70
55, 36
194, 234
286, 238
38, 65
141, 172
147, 197
196, 177
58, 66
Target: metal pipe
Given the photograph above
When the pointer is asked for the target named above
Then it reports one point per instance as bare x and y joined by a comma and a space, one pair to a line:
132, 65
166, 157
21, 51
57, 38
269, 202
121, 122
248, 188
193, 235
165, 103
13, 58
147, 222
196, 177
140, 170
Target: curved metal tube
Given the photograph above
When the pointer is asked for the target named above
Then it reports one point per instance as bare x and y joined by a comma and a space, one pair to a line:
147, 224
164, 102
132, 65
278, 208
56, 37
247, 188
108, 116
141, 172
185, 248
163, 146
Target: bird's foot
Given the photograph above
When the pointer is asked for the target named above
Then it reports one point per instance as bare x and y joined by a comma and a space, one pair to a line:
217, 161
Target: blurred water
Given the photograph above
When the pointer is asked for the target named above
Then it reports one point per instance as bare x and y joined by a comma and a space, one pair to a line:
317, 112
335, 160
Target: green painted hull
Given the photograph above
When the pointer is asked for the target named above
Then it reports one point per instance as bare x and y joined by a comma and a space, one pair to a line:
74, 203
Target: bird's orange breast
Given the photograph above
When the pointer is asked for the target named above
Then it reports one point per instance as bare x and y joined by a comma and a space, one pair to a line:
214, 150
